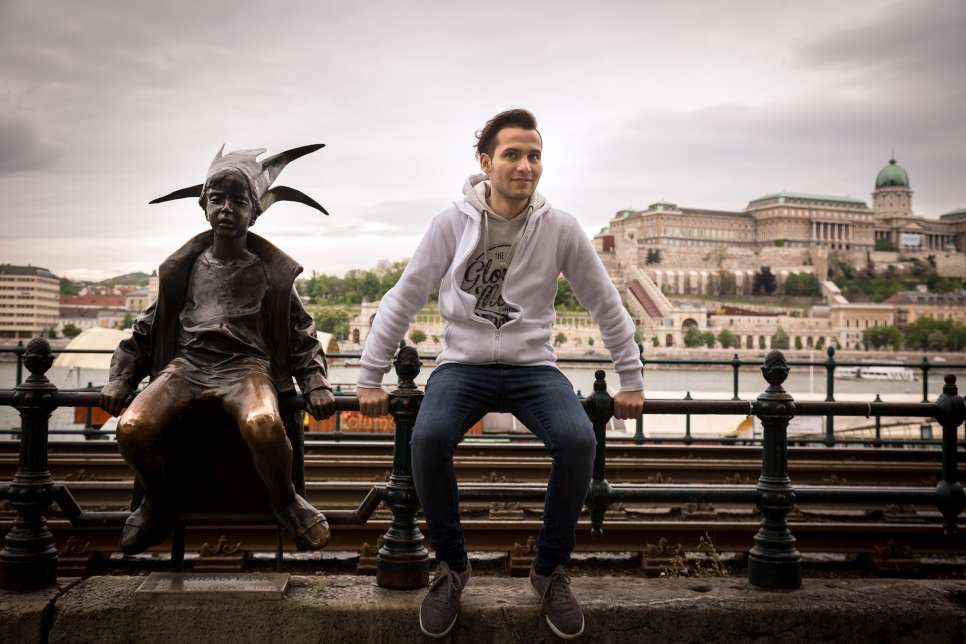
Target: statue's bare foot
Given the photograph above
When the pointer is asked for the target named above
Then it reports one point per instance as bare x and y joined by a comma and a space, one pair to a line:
305, 523
146, 527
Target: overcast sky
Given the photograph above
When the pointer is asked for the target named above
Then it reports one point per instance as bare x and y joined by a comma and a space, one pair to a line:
106, 105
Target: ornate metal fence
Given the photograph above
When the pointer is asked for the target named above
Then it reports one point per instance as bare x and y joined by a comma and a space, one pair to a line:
29, 557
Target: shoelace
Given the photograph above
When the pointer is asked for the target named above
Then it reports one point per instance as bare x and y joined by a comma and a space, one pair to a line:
558, 586
453, 586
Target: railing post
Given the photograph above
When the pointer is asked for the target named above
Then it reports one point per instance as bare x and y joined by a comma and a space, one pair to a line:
950, 496
19, 354
774, 562
687, 422
337, 428
403, 561
735, 365
28, 560
600, 408
925, 378
639, 421
830, 396
878, 425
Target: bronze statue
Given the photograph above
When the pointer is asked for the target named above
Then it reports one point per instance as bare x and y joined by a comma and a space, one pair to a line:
227, 329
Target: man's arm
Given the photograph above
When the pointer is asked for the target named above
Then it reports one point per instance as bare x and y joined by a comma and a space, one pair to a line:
398, 309
130, 363
307, 361
596, 292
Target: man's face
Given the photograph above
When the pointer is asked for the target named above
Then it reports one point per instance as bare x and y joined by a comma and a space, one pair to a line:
515, 167
229, 208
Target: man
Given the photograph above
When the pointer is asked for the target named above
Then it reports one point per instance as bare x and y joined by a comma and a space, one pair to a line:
496, 257
228, 328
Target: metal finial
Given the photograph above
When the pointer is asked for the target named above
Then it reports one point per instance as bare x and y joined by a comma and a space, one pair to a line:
37, 358
407, 367
950, 388
775, 368
599, 383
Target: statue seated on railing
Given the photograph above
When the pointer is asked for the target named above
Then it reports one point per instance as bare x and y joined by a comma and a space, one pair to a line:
223, 340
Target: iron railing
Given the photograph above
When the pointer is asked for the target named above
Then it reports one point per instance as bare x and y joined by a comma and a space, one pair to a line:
29, 557
735, 364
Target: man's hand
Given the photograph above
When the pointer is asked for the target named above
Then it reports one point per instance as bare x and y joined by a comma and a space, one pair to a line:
320, 403
373, 401
115, 396
628, 404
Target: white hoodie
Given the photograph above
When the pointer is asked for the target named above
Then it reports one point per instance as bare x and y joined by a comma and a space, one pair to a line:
553, 243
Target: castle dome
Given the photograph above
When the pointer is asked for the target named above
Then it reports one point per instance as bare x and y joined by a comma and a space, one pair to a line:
891, 176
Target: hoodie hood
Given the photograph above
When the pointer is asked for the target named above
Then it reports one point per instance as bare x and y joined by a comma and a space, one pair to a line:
476, 187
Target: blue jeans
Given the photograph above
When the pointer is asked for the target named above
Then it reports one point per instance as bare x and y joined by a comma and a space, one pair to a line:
457, 396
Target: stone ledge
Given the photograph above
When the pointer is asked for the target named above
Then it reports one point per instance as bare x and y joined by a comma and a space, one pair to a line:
618, 609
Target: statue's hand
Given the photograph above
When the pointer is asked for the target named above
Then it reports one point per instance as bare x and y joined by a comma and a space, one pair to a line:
114, 396
320, 403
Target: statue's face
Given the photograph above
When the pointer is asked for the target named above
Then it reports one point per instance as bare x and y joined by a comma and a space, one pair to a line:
229, 207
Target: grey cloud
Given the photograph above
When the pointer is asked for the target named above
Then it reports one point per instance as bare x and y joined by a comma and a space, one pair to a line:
21, 148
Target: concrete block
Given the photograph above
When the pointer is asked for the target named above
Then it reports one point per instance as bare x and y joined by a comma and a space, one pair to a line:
24, 617
498, 609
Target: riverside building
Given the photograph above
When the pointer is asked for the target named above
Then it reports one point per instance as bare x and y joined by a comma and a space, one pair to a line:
29, 301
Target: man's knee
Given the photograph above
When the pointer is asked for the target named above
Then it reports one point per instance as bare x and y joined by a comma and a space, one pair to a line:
432, 438
578, 445
263, 428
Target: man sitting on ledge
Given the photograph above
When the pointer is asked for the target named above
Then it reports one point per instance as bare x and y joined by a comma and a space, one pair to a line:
496, 257
227, 327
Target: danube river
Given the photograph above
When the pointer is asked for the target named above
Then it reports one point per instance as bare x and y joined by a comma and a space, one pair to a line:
709, 383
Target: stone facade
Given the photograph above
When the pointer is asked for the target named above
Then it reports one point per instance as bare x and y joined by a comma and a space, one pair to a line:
29, 301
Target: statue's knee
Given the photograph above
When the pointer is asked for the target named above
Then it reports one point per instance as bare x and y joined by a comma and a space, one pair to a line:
264, 428
133, 430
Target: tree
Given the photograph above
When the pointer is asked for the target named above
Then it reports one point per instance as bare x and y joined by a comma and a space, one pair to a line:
879, 337
727, 283
820, 343
417, 336
559, 339
708, 339
764, 282
693, 337
334, 321
71, 330
128, 321
50, 332
802, 284
590, 342
780, 339
885, 244
798, 342
653, 256
68, 287
936, 341
727, 339
565, 298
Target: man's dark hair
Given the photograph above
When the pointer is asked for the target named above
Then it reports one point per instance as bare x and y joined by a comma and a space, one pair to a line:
486, 138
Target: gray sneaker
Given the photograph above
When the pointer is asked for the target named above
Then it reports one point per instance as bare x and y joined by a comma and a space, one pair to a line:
441, 605
558, 603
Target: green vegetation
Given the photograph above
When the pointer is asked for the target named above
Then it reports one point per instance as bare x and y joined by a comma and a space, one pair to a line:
885, 245
559, 339
333, 319
780, 339
357, 285
417, 335
764, 282
801, 285
925, 334
128, 321
128, 279
876, 284
727, 339
693, 337
566, 300
653, 256
71, 330
68, 287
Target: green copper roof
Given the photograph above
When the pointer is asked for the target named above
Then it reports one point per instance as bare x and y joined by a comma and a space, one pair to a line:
892, 175
959, 213
662, 205
850, 201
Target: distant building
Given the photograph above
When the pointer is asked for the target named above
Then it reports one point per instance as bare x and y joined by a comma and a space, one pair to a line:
29, 301
912, 305
96, 301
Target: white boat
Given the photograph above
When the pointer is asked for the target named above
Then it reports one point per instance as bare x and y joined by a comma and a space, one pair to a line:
887, 373
849, 373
